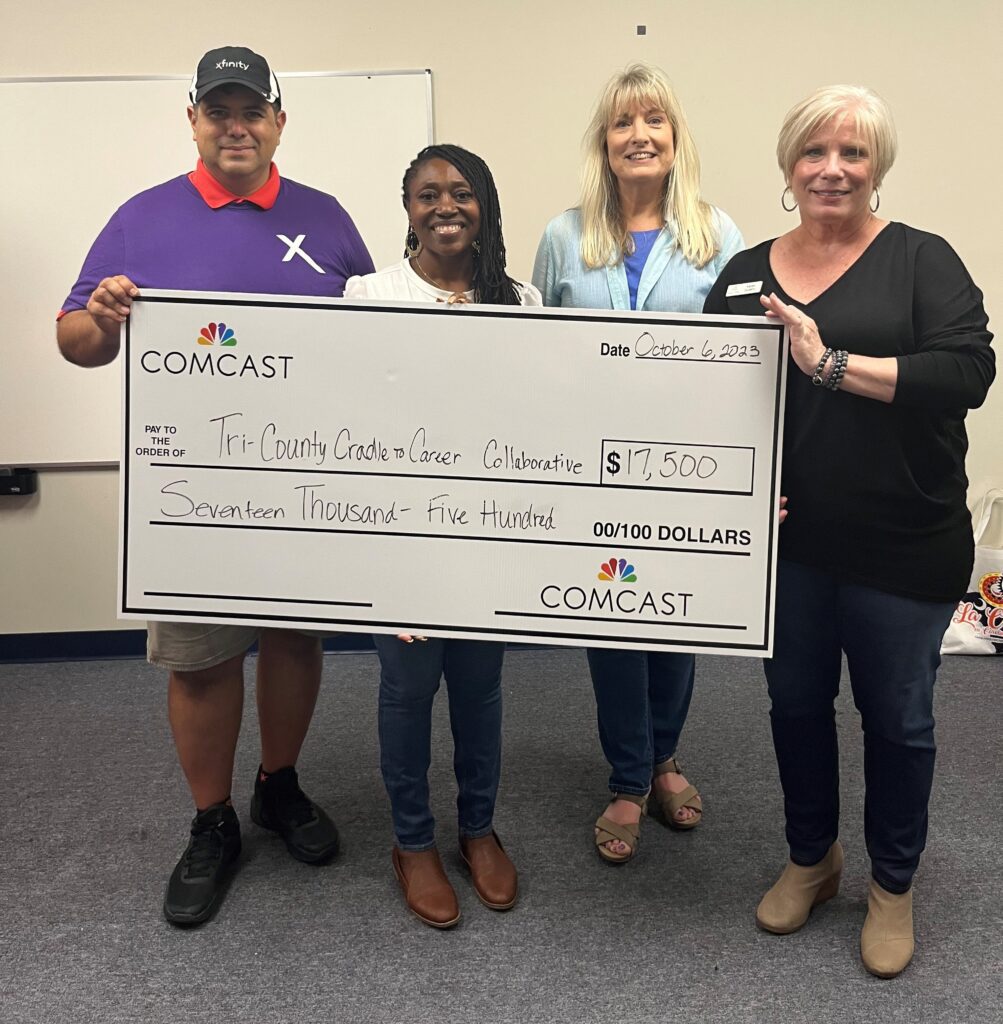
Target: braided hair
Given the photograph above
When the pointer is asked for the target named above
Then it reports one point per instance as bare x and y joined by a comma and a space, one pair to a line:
490, 282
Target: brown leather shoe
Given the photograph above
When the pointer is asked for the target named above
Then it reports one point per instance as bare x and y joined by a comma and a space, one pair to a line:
492, 872
427, 891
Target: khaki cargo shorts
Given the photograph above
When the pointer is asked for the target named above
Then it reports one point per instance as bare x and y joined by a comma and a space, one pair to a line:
194, 646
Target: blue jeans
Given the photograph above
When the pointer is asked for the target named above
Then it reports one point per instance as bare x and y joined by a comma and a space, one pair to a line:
892, 647
409, 680
642, 698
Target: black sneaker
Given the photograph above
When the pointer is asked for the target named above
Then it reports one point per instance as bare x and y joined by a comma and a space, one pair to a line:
196, 887
280, 805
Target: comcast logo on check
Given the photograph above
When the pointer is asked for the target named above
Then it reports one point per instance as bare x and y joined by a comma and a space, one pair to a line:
617, 570
213, 334
208, 361
613, 604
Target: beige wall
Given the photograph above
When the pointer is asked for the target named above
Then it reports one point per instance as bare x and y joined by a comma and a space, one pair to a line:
514, 81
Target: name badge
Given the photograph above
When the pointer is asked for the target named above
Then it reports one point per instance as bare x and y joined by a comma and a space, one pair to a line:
749, 288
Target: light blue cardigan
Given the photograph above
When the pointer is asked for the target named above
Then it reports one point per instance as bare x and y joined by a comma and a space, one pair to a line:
669, 284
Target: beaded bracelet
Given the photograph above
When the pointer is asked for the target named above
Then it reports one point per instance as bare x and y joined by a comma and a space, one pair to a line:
838, 382
833, 369
816, 377
835, 377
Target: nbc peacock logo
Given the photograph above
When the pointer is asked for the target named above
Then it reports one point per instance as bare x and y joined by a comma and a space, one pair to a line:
217, 334
617, 570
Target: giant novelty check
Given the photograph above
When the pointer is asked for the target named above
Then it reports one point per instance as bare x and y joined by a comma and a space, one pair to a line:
549, 476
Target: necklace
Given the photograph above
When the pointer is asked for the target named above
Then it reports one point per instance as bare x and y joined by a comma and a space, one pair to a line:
456, 298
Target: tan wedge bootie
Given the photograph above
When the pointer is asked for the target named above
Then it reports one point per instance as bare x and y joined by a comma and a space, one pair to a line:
785, 908
886, 942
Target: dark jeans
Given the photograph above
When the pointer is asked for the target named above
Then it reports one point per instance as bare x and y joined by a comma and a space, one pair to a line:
892, 647
409, 680
641, 702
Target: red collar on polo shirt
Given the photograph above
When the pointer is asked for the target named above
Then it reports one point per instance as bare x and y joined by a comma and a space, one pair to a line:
216, 195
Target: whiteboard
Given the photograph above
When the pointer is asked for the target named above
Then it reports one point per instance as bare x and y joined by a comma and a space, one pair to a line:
86, 145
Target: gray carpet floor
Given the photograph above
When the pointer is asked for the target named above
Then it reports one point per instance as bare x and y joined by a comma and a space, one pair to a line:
94, 812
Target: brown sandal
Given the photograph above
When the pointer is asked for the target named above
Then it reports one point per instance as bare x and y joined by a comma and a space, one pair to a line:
664, 805
608, 830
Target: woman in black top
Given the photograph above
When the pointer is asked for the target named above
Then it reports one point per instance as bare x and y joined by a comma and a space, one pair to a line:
890, 348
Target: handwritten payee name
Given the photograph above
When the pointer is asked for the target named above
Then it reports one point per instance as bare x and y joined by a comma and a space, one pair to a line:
270, 444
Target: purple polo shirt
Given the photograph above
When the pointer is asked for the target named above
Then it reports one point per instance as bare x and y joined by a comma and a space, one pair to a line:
170, 237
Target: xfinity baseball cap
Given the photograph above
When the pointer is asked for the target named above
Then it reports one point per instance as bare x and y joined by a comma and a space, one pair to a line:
234, 65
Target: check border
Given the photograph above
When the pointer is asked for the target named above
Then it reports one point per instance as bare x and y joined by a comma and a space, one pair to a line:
524, 313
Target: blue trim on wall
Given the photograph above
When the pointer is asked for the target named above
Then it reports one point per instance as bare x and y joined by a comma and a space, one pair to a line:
108, 644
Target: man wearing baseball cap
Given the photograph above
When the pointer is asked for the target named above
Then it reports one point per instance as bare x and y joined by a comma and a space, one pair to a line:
234, 65
226, 226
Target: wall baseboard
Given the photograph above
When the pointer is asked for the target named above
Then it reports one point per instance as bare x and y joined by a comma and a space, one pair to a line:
109, 644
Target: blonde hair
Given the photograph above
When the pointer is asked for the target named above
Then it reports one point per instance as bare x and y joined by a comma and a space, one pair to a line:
872, 121
605, 238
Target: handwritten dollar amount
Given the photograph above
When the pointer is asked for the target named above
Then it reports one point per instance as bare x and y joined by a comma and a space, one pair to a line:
683, 466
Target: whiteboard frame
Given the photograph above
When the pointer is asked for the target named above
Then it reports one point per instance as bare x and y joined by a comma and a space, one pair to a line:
280, 75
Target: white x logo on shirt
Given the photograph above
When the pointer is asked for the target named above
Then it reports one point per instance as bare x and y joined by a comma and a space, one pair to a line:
296, 250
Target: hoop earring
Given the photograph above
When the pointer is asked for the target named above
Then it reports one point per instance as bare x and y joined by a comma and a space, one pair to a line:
411, 243
877, 201
783, 200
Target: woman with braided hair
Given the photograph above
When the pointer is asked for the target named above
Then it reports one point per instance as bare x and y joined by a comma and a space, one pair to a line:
454, 252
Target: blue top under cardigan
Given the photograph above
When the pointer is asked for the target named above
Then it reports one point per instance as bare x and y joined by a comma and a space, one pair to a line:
669, 283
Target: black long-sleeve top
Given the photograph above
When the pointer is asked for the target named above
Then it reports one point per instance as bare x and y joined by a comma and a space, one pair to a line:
876, 491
